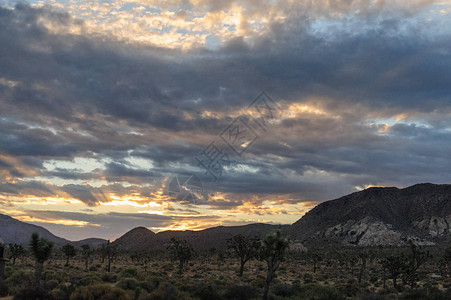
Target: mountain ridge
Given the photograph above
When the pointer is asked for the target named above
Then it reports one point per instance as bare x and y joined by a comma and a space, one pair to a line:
387, 216
17, 232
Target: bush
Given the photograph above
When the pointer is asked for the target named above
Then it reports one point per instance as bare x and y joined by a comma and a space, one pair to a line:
107, 277
308, 278
426, 294
240, 292
166, 292
151, 283
320, 292
19, 279
206, 292
128, 284
53, 276
100, 292
129, 272
3, 289
349, 289
51, 284
90, 279
284, 290
61, 293
30, 292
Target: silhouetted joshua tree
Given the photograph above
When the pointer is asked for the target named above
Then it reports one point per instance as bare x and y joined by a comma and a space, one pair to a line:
110, 252
394, 264
41, 249
16, 251
87, 253
181, 251
244, 247
272, 251
69, 251
414, 260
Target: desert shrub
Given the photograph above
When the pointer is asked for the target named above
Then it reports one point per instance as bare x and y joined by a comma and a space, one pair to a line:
167, 291
100, 292
128, 284
3, 289
319, 292
143, 295
31, 292
350, 288
151, 283
206, 292
372, 296
129, 272
426, 294
53, 276
374, 279
51, 284
93, 268
284, 290
259, 281
415, 294
90, 279
61, 293
19, 279
308, 278
240, 292
108, 277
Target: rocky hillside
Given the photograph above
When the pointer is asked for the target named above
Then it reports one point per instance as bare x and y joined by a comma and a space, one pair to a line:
380, 216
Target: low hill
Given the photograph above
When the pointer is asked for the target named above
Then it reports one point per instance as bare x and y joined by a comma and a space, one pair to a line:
216, 237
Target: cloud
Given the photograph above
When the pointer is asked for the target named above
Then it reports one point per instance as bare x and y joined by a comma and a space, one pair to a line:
362, 85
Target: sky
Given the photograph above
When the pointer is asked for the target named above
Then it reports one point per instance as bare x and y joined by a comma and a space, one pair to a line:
189, 114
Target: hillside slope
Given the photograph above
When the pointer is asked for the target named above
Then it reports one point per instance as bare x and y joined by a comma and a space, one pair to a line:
381, 216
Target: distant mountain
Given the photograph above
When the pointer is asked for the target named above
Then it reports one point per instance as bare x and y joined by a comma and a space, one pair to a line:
380, 216
143, 239
93, 242
17, 232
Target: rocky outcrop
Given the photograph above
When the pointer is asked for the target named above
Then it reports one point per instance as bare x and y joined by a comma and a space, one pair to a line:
370, 232
297, 246
365, 232
435, 226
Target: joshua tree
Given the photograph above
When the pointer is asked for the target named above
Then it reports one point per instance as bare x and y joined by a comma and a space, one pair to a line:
41, 249
2, 261
272, 251
110, 252
394, 264
245, 247
316, 258
363, 257
181, 251
87, 253
15, 251
69, 251
415, 260
220, 259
